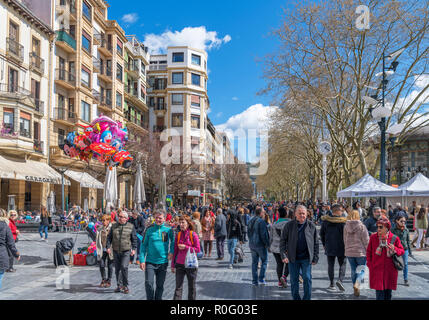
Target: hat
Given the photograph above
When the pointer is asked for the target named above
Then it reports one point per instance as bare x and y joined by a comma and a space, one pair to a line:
384, 222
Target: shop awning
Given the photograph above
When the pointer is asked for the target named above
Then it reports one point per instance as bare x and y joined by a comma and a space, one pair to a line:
32, 171
85, 180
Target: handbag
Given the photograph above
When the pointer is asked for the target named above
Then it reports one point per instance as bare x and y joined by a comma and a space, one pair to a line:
191, 261
396, 262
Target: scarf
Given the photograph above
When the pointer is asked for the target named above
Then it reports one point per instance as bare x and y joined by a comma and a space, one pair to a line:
383, 244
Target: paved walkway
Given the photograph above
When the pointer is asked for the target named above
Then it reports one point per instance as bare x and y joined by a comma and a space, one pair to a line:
36, 279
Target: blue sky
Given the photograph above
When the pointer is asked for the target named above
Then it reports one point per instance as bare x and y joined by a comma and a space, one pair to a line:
235, 75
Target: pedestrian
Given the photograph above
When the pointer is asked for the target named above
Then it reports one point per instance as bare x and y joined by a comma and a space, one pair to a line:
7, 245
259, 242
139, 224
207, 224
234, 234
246, 219
275, 236
383, 276
421, 226
105, 259
44, 224
332, 237
123, 240
13, 216
400, 230
186, 241
157, 248
299, 247
356, 240
199, 231
220, 234
371, 222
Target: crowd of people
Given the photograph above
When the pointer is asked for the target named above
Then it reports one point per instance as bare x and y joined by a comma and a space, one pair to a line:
292, 232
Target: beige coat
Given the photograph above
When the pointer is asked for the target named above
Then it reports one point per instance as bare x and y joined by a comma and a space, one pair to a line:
99, 244
356, 239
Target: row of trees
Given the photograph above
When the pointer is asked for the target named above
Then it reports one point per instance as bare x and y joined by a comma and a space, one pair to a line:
323, 68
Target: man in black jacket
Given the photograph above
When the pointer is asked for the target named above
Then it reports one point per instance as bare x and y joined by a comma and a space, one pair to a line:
138, 221
299, 246
331, 235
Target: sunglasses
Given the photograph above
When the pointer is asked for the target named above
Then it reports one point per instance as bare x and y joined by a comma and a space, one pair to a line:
380, 227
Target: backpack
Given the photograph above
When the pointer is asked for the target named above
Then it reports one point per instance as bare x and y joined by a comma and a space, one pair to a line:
191, 235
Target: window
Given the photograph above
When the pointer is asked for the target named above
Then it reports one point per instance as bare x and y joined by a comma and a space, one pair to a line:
195, 122
119, 46
86, 41
85, 112
151, 101
196, 59
177, 98
177, 120
87, 10
119, 72
86, 76
196, 79
143, 68
118, 100
195, 101
177, 78
24, 125
61, 136
178, 57
8, 120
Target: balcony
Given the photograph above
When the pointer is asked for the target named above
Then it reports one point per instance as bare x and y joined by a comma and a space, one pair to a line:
159, 129
37, 64
73, 10
155, 67
65, 79
24, 133
39, 106
132, 67
64, 116
139, 124
13, 91
66, 41
96, 63
105, 47
105, 102
105, 74
38, 146
7, 131
131, 90
14, 50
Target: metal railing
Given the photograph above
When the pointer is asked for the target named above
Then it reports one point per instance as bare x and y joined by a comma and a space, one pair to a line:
64, 75
159, 128
8, 131
131, 90
159, 106
96, 64
104, 43
39, 106
64, 36
38, 146
36, 62
63, 114
13, 88
105, 70
14, 49
24, 133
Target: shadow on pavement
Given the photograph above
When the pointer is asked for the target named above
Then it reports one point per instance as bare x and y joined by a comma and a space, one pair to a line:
83, 288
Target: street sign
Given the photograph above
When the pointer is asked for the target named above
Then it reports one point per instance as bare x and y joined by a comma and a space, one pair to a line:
325, 148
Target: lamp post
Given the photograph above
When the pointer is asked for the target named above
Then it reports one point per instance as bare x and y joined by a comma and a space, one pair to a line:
392, 143
62, 170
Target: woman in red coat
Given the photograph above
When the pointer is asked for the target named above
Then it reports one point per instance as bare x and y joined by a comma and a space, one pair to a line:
13, 216
383, 276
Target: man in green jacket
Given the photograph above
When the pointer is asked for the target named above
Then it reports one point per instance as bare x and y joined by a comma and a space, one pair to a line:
156, 250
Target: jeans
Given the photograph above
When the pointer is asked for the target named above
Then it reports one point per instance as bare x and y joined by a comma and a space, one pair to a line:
296, 268
383, 294
191, 275
122, 260
105, 260
259, 253
1, 276
220, 244
405, 258
137, 252
354, 263
282, 268
231, 249
208, 247
200, 254
331, 264
160, 272
43, 229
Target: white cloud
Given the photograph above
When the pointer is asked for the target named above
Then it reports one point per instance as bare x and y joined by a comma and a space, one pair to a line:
195, 37
218, 115
130, 18
234, 98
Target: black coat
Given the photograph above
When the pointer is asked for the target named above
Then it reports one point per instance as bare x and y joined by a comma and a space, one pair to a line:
6, 242
332, 235
62, 247
289, 241
139, 224
234, 226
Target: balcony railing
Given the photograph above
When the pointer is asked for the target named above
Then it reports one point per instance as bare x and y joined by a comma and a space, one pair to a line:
105, 100
38, 146
105, 70
39, 106
8, 131
159, 128
63, 35
131, 90
133, 66
13, 88
159, 106
64, 75
37, 63
104, 43
155, 67
14, 49
25, 133
96, 64
64, 114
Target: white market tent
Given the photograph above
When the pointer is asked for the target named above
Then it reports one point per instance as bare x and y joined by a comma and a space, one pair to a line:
417, 189
368, 186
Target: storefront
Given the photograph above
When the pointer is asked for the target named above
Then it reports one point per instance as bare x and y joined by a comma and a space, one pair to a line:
28, 181
83, 190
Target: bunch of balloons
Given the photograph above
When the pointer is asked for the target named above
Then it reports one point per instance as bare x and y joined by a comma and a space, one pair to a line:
103, 140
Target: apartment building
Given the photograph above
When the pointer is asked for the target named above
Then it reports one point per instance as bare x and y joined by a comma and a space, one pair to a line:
178, 100
135, 105
25, 86
89, 76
